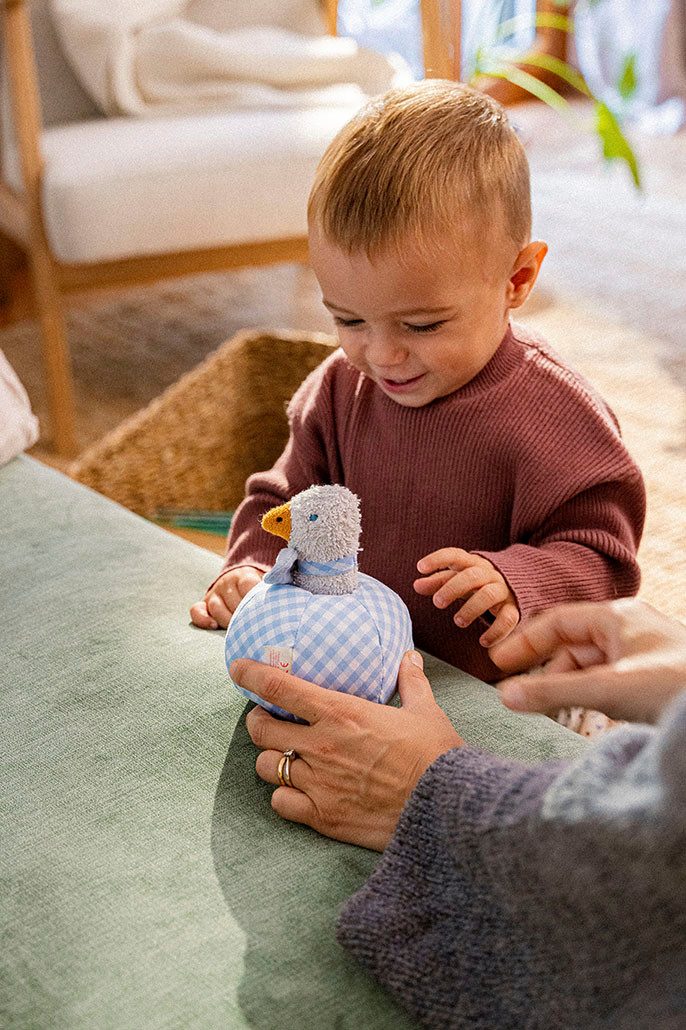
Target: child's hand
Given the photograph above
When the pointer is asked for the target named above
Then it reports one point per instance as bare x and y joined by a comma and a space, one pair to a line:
453, 574
223, 597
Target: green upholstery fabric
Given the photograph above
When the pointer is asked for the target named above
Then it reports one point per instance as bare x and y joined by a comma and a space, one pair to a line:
146, 881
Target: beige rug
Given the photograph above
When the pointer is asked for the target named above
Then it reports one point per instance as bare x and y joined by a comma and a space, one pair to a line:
611, 299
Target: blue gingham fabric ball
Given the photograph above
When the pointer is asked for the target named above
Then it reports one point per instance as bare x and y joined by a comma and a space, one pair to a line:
351, 642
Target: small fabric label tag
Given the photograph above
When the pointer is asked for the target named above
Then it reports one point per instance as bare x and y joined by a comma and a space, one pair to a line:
279, 657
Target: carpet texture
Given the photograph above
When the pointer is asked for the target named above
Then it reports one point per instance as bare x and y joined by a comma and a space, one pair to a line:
611, 299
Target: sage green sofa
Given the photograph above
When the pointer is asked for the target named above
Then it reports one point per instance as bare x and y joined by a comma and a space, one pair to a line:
146, 881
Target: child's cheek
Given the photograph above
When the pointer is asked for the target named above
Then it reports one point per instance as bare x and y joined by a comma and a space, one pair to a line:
355, 355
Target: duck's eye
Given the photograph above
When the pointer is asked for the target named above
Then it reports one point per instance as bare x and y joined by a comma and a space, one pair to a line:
279, 518
313, 517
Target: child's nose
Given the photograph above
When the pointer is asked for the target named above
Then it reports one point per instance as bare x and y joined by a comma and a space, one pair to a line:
384, 351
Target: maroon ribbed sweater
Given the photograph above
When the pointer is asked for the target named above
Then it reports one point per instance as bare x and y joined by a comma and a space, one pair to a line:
524, 465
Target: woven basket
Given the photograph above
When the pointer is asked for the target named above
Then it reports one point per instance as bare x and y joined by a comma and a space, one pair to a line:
195, 445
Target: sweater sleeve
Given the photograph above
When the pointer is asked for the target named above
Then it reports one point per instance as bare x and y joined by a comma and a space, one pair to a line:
541, 897
310, 457
585, 550
578, 501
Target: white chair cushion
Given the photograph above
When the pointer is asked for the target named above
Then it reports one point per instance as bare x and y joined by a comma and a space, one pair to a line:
118, 188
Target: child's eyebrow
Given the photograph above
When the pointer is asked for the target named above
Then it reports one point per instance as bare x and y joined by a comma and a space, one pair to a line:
423, 311
399, 314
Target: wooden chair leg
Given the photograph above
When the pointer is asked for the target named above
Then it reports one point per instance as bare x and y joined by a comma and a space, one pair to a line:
11, 260
55, 352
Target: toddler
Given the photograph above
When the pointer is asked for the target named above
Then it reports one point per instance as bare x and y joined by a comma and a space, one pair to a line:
482, 461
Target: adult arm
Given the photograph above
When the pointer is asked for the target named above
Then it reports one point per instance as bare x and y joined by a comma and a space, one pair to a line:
512, 896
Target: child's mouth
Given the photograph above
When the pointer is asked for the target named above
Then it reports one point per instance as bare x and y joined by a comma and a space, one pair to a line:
398, 386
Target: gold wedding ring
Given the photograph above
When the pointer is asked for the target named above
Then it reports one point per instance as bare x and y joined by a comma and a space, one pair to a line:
284, 770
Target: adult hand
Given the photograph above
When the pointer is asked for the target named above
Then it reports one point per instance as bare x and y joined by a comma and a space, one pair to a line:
623, 658
452, 574
358, 762
223, 597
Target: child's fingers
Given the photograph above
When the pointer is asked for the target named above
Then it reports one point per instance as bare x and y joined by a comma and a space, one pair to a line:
487, 597
226, 589
247, 579
428, 585
447, 557
463, 584
505, 621
201, 617
218, 609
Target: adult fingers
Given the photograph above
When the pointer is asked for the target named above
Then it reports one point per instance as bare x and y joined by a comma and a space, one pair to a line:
303, 699
267, 768
573, 656
268, 733
538, 638
484, 599
201, 617
599, 688
413, 686
218, 610
295, 806
446, 557
505, 621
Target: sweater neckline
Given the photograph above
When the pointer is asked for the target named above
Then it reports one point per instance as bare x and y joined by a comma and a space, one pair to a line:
501, 365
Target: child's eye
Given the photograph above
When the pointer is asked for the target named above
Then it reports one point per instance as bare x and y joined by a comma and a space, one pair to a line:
430, 327
347, 323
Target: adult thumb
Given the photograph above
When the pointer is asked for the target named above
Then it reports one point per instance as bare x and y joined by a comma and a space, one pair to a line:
413, 686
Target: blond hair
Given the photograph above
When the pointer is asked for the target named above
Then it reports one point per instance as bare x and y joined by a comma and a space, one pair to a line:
423, 160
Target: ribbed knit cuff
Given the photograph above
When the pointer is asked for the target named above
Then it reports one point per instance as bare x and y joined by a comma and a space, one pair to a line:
541, 578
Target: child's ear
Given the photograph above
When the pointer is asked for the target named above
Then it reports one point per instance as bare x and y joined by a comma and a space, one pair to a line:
525, 272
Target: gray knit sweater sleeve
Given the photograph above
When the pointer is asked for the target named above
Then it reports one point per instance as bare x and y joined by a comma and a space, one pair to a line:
547, 897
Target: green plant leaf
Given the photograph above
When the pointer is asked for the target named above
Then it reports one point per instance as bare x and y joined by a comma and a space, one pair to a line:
526, 81
552, 64
542, 20
628, 79
614, 142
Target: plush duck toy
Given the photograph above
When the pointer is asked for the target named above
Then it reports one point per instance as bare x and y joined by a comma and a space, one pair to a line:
314, 614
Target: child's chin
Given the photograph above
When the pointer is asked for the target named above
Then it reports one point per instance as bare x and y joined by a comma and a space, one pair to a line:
411, 400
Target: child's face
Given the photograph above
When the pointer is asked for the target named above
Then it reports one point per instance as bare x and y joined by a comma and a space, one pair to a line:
419, 326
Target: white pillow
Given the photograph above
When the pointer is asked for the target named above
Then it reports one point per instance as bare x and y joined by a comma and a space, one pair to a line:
18, 424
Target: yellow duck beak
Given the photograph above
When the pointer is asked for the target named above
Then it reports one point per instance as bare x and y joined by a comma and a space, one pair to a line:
278, 521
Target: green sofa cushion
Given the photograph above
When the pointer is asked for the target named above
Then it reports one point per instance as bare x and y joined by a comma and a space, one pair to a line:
146, 881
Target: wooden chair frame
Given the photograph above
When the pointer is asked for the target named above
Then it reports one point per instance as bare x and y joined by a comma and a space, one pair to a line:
21, 214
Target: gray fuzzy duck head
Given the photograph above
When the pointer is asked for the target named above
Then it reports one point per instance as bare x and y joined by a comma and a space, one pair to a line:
321, 524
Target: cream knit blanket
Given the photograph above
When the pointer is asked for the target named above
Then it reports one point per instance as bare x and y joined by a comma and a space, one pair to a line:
143, 57
18, 424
